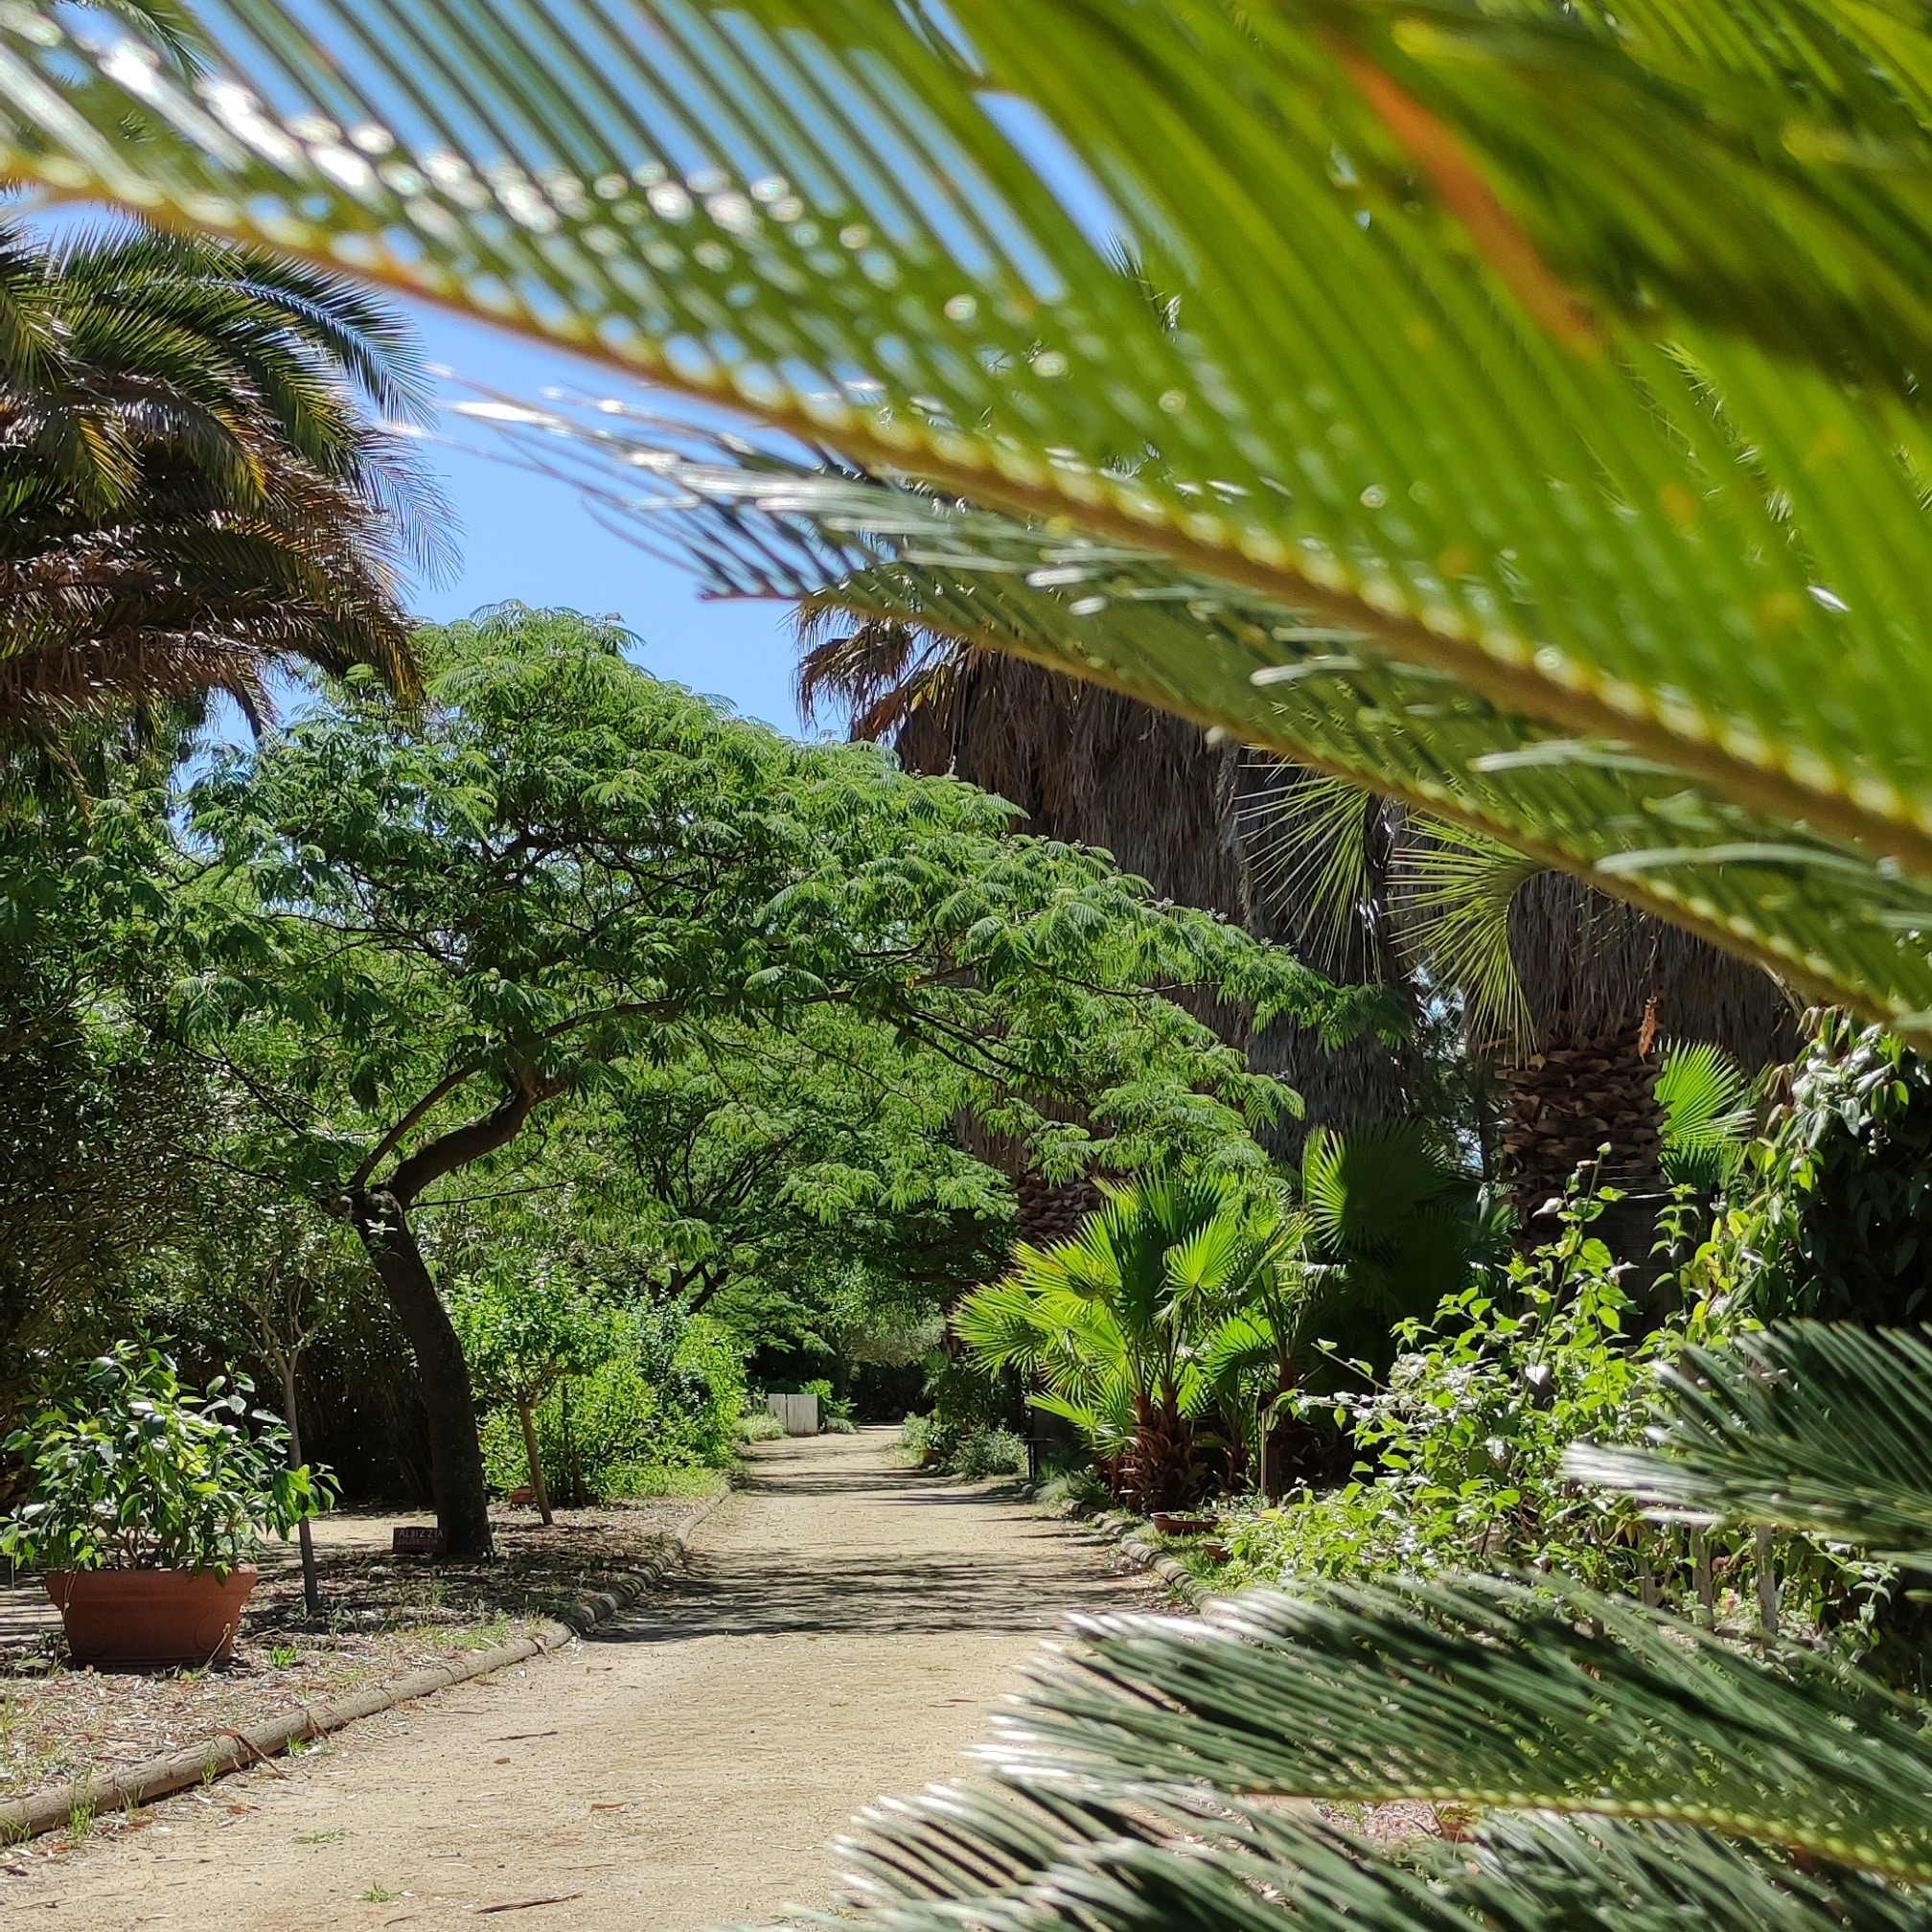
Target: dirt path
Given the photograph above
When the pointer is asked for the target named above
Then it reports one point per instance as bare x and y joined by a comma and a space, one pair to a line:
843, 1631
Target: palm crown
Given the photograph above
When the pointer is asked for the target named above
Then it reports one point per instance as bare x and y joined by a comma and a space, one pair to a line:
193, 494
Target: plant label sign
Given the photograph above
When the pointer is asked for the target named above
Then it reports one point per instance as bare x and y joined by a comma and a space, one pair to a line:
417, 1539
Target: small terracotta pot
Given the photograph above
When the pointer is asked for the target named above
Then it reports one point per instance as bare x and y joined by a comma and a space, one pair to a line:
1174, 1523
139, 1617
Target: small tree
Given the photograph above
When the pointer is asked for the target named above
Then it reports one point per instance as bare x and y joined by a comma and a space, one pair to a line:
521, 1337
1117, 1325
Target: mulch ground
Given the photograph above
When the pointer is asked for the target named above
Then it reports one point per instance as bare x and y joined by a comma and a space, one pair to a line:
383, 1618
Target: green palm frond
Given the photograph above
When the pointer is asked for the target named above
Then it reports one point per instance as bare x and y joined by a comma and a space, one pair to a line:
1491, 1694
1033, 1859
1509, 346
1457, 887
1308, 839
1506, 795
1709, 1115
1808, 1426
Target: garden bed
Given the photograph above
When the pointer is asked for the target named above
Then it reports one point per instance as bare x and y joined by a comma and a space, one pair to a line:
383, 1618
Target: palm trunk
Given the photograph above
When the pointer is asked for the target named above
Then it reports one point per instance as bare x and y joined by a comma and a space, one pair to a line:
1163, 1474
455, 1449
526, 1410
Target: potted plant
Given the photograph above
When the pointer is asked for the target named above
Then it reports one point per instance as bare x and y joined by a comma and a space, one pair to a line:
147, 1498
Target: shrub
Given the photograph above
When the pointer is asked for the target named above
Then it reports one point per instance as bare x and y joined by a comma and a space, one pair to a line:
134, 1471
759, 1425
669, 1395
835, 1412
990, 1452
975, 1452
1462, 1444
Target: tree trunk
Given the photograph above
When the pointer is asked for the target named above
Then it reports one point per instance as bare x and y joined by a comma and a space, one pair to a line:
312, 1584
455, 1449
530, 1456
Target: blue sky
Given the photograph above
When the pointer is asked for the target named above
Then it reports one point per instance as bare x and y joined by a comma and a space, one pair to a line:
528, 536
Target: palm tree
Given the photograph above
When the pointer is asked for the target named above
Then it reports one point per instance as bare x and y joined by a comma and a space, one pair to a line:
194, 500
1117, 1325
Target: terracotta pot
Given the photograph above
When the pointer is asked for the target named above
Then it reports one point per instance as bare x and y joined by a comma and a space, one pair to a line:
1173, 1523
135, 1616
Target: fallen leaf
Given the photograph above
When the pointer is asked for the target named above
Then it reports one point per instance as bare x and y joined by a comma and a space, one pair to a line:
609, 1807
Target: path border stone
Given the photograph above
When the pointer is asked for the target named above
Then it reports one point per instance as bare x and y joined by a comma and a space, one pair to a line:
25, 1818
1127, 1538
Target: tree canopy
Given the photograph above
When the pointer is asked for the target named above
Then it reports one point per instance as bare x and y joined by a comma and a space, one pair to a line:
407, 931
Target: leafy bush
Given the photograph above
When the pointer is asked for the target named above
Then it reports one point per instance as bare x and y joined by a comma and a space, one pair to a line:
134, 1471
975, 1452
759, 1425
667, 1395
1837, 1220
835, 1412
990, 1452
1463, 1442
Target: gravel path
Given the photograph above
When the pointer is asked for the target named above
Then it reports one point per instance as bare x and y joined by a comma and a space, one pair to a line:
845, 1630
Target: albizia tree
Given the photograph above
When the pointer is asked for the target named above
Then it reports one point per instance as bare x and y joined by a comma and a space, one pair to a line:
412, 930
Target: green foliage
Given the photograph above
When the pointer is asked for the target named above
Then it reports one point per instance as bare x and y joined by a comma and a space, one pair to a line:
1836, 1218
662, 1395
562, 889
1708, 1117
134, 1471
1462, 1445
1394, 1225
1122, 1328
509, 899
1833, 1412
804, 1185
540, 809
835, 1412
988, 1453
1556, 514
524, 1332
973, 1450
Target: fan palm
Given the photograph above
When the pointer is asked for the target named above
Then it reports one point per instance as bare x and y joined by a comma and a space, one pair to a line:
192, 497
1137, 1326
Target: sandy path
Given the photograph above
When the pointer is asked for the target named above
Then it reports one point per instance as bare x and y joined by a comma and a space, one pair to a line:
842, 1633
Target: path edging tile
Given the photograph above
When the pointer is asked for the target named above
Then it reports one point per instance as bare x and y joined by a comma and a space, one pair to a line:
24, 1818
1126, 1533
